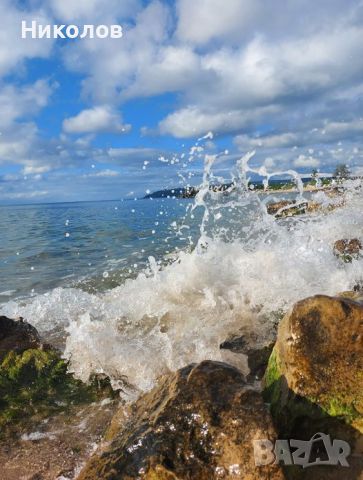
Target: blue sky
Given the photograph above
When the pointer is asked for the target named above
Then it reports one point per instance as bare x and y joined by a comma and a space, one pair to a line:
90, 119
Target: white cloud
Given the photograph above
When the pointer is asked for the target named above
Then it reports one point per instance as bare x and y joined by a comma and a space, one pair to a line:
25, 195
13, 49
24, 101
101, 119
233, 21
304, 161
279, 60
204, 20
104, 173
271, 141
133, 156
194, 122
293, 69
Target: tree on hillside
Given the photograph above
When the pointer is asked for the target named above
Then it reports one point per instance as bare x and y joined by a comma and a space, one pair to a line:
341, 171
314, 176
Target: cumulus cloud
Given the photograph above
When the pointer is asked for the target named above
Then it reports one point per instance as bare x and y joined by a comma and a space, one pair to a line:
24, 101
306, 161
283, 78
268, 141
13, 49
100, 119
194, 122
205, 20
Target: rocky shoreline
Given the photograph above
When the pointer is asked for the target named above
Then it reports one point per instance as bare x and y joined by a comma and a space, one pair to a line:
201, 422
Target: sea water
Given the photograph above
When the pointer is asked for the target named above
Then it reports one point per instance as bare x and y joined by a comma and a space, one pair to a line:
134, 289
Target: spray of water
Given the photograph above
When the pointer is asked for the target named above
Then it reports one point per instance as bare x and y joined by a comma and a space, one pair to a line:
246, 267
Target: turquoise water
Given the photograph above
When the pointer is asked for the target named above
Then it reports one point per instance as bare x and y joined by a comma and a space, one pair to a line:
96, 244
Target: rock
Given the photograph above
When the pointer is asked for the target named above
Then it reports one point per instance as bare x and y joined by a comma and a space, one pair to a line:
34, 379
258, 352
197, 423
347, 249
314, 380
17, 335
258, 360
290, 208
356, 295
313, 207
286, 208
318, 357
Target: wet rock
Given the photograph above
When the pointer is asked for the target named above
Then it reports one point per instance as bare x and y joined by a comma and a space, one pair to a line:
313, 207
258, 352
286, 208
318, 357
356, 295
348, 249
314, 379
197, 423
17, 335
290, 208
34, 379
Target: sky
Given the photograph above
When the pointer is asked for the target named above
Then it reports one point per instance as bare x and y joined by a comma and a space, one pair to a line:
97, 119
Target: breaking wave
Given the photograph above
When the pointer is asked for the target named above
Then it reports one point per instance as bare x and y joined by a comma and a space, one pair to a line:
246, 268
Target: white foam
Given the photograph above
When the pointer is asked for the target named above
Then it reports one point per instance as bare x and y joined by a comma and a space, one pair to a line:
240, 272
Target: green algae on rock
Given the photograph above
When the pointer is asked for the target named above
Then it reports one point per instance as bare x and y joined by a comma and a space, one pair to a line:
34, 379
316, 367
37, 382
197, 423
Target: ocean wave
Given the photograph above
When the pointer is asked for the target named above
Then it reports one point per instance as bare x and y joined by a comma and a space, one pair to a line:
245, 267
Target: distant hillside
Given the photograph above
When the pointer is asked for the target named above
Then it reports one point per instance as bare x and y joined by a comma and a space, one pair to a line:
187, 192
190, 192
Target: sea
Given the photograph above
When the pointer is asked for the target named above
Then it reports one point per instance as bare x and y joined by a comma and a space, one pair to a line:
133, 289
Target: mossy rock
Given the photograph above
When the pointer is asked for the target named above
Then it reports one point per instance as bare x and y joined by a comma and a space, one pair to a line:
36, 382
316, 368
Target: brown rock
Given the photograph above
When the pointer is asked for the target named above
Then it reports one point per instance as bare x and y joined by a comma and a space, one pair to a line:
17, 335
314, 379
348, 249
287, 208
197, 424
319, 356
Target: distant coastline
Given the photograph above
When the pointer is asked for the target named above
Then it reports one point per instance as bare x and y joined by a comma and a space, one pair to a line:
275, 186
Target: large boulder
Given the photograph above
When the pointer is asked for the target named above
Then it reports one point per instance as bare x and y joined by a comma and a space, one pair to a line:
314, 380
318, 356
197, 423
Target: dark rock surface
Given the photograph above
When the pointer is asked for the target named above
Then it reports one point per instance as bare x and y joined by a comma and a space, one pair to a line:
258, 352
17, 335
197, 423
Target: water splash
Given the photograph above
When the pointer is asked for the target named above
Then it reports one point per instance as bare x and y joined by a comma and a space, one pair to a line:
246, 265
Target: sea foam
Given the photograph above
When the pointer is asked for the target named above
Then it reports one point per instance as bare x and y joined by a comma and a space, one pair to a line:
246, 267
